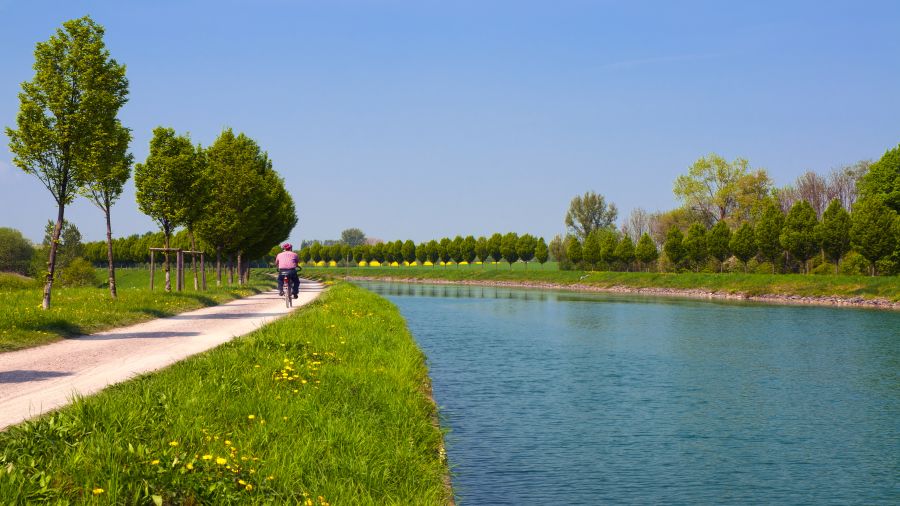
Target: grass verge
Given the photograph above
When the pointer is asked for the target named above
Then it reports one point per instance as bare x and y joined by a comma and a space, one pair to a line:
328, 405
882, 287
78, 311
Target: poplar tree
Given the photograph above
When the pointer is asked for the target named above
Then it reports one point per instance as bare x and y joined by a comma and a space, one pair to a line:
695, 245
798, 236
541, 252
76, 93
768, 233
717, 242
525, 246
163, 183
646, 251
833, 233
743, 244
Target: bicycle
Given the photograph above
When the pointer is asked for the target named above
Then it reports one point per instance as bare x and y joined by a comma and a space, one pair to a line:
288, 289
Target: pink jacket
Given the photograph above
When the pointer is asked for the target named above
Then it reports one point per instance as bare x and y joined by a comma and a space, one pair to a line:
286, 260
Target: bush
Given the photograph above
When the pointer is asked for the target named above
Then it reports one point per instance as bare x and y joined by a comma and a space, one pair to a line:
824, 268
79, 272
15, 251
854, 264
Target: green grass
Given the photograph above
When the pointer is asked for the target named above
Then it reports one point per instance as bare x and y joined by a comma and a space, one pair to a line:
76, 311
331, 401
883, 287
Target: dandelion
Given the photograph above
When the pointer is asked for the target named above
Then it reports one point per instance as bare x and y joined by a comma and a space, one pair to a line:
242, 482
248, 488
154, 462
98, 491
251, 417
220, 461
173, 443
190, 466
207, 457
227, 443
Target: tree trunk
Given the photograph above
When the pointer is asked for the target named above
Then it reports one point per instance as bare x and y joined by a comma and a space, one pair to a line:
240, 267
51, 262
111, 269
168, 279
194, 259
218, 266
230, 269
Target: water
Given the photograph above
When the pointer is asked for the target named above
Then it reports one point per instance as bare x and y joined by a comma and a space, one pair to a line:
601, 399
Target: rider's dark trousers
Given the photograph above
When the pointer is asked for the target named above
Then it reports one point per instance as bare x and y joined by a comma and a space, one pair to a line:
295, 280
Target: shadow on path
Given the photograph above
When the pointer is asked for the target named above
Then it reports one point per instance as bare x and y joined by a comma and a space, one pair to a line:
24, 376
136, 335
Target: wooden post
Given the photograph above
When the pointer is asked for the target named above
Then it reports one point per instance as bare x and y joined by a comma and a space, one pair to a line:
152, 267
179, 270
203, 271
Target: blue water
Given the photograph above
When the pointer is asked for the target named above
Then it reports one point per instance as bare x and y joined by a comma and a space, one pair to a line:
573, 398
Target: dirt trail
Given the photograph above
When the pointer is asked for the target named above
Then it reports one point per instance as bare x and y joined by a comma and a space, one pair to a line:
38, 380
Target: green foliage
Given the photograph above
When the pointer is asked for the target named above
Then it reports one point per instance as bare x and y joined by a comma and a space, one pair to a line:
482, 249
574, 251
590, 252
872, 230
541, 252
609, 241
79, 272
625, 252
833, 232
434, 251
646, 252
467, 250
445, 249
557, 248
421, 253
508, 248
674, 246
743, 244
525, 246
408, 250
717, 242
353, 237
15, 251
798, 236
69, 246
721, 190
883, 180
494, 243
590, 212
695, 245
768, 232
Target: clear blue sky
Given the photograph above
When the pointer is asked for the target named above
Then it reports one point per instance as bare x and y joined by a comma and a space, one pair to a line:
423, 119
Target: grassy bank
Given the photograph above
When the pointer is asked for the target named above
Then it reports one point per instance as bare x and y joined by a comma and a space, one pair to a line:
75, 311
330, 401
883, 287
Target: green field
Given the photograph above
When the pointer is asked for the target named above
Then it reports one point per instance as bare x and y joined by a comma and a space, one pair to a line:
76, 311
882, 287
332, 401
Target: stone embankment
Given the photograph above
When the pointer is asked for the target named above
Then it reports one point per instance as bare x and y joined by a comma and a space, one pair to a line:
695, 293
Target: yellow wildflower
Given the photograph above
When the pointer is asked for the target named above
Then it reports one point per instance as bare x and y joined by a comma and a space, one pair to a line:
154, 462
249, 487
189, 466
98, 491
220, 461
242, 482
207, 457
251, 417
173, 443
227, 443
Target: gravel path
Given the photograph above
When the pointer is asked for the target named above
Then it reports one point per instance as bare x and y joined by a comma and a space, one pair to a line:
38, 380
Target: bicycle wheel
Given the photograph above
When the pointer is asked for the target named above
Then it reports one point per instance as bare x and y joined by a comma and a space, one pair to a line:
288, 299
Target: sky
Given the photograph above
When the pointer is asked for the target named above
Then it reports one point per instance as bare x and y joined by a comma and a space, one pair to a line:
424, 119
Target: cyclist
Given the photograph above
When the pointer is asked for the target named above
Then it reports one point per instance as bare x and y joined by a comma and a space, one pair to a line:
286, 263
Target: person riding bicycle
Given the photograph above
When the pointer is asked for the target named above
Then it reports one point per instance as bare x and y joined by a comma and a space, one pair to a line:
286, 263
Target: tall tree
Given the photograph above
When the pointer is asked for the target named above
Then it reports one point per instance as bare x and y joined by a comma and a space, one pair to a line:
768, 233
872, 229
719, 190
674, 246
163, 183
445, 246
15, 251
573, 250
798, 236
646, 251
467, 250
481, 250
637, 224
743, 244
557, 248
105, 172
590, 251
813, 188
695, 245
494, 244
843, 182
456, 250
422, 253
883, 180
353, 237
625, 252
833, 232
609, 242
717, 243
508, 248
525, 246
541, 252
589, 212
408, 250
434, 252
76, 88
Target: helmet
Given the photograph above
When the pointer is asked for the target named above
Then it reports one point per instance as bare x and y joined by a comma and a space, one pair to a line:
286, 246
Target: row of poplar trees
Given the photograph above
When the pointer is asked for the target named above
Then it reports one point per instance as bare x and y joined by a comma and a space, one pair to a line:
509, 247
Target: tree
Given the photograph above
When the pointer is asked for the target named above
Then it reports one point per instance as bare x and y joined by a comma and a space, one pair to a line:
717, 243
813, 188
798, 236
304, 254
833, 232
69, 246
315, 252
573, 250
77, 89
525, 246
843, 182
494, 244
609, 241
768, 233
446, 249
467, 250
719, 190
590, 251
163, 183
883, 180
508, 248
541, 252
422, 253
589, 212
872, 232
637, 224
456, 251
625, 252
433, 251
481, 250
674, 248
408, 250
557, 249
646, 251
743, 244
695, 245
15, 251
397, 251
353, 237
